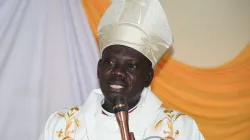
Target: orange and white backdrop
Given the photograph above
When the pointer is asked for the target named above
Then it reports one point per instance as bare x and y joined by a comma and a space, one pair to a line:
48, 52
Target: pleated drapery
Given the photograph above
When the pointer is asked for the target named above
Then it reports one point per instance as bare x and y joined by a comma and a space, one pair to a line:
48, 59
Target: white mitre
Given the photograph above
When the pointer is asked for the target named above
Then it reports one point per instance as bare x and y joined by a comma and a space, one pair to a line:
139, 24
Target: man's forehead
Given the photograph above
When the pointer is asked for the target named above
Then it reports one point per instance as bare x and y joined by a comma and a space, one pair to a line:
122, 50
125, 53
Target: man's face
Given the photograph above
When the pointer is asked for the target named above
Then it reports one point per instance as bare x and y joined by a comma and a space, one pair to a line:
125, 71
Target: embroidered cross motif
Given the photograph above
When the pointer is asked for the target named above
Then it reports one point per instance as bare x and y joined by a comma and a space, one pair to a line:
70, 120
171, 118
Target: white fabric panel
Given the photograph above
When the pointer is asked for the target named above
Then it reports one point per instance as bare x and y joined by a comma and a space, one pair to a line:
48, 59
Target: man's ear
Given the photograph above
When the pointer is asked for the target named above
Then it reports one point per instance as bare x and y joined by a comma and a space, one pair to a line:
149, 77
98, 67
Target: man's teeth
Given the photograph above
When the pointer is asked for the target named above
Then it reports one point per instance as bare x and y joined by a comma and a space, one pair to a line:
116, 86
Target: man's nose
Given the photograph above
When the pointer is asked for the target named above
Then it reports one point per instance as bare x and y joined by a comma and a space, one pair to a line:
119, 72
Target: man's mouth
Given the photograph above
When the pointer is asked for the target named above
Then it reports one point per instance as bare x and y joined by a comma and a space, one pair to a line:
116, 86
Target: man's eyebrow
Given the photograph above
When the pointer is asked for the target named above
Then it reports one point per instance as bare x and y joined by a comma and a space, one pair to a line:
133, 61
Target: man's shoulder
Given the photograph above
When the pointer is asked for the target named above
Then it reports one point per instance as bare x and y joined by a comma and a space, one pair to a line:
172, 124
173, 119
174, 116
72, 114
68, 113
63, 123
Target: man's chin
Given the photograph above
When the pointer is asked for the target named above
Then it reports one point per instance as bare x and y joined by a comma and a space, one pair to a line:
111, 96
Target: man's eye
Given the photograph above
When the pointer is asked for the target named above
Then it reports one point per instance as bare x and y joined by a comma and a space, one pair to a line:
132, 66
110, 62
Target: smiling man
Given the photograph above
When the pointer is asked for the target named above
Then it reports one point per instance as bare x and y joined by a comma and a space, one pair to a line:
123, 70
133, 35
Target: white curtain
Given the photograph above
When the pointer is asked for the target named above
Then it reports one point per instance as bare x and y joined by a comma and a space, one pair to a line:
48, 59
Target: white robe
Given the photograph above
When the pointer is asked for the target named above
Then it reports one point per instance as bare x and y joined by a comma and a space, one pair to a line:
147, 120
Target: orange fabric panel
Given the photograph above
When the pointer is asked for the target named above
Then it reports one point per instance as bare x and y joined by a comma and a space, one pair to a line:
217, 98
94, 10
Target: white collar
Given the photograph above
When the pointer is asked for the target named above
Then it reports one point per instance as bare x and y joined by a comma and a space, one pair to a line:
148, 100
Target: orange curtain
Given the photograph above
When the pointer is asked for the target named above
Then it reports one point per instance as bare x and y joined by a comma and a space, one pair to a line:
94, 10
217, 98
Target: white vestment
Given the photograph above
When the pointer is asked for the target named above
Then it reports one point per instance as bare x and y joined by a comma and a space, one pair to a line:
147, 120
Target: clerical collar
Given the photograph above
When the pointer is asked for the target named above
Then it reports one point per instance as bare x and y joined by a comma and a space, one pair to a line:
105, 112
100, 100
